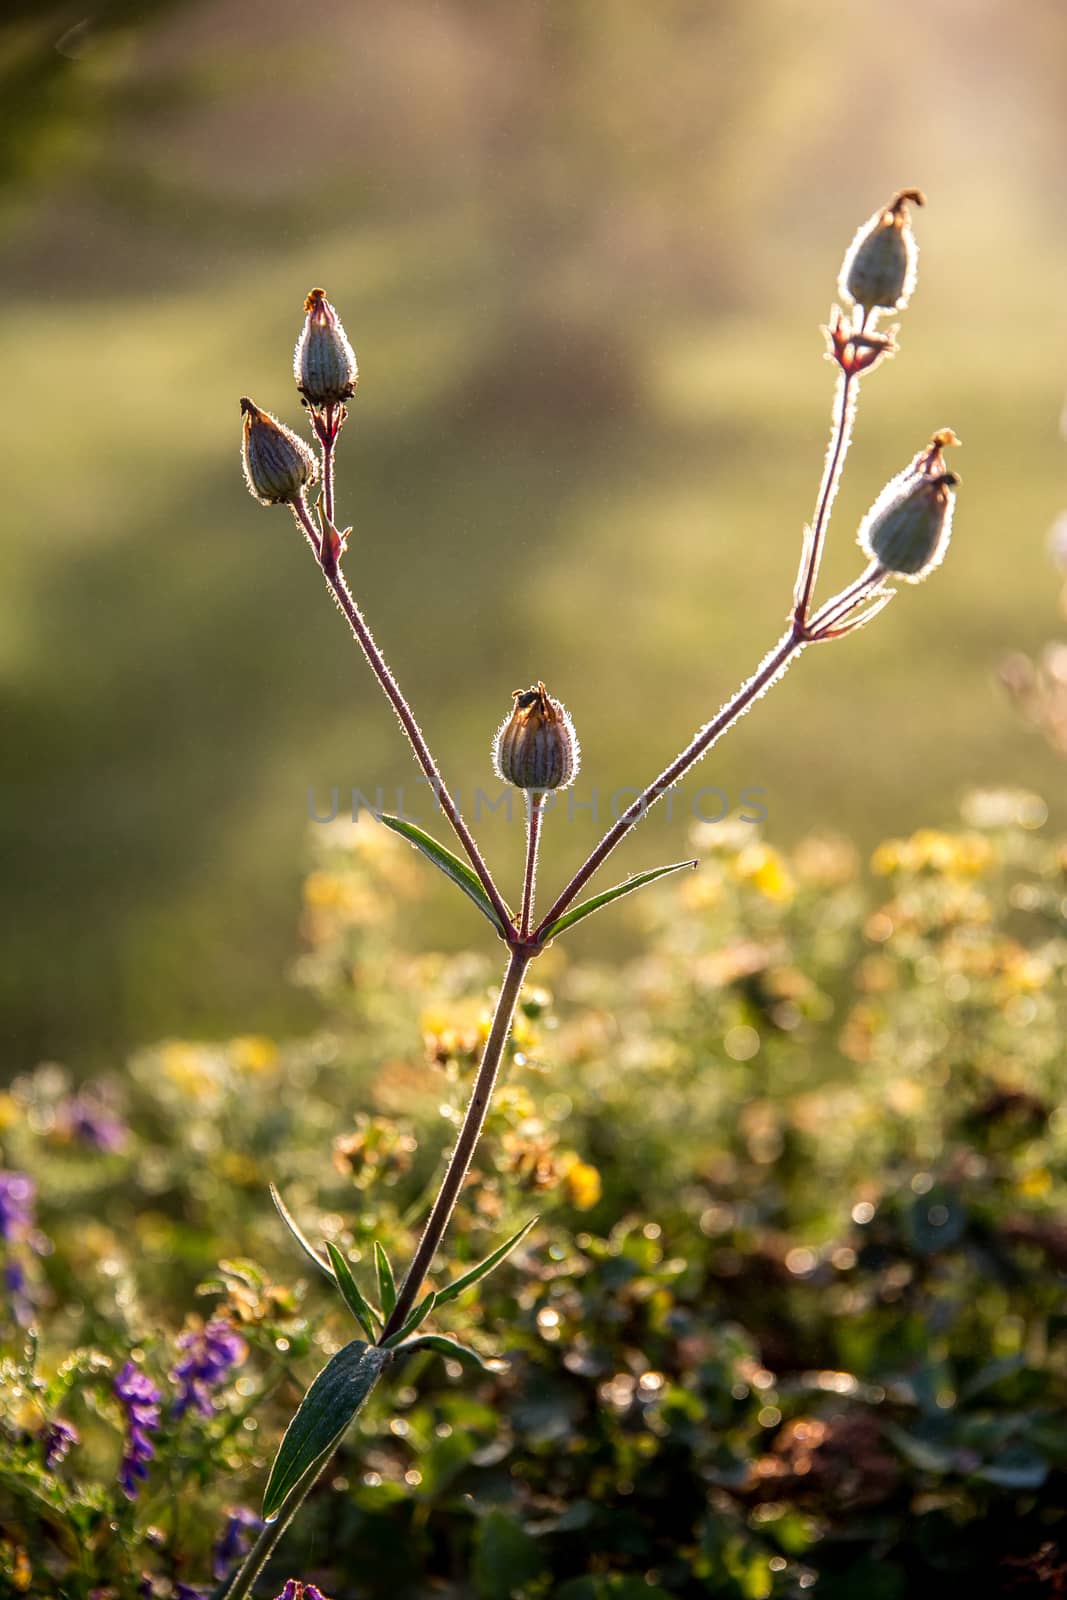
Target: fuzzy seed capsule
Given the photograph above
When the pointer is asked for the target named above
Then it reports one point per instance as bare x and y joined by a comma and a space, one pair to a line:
908, 528
324, 363
536, 747
880, 267
278, 464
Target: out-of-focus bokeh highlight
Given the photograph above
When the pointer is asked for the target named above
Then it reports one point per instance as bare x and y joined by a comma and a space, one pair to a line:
583, 251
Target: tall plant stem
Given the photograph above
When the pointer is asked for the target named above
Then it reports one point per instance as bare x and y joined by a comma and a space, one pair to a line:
535, 810
364, 638
443, 1206
473, 1122
844, 412
771, 668
270, 1535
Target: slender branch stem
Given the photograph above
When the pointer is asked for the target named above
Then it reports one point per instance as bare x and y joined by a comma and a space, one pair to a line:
460, 1160
836, 610
307, 527
844, 411
342, 594
328, 438
800, 633
771, 668
535, 810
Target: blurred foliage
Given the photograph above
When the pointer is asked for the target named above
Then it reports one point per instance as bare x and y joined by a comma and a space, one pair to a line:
66, 75
791, 1320
583, 251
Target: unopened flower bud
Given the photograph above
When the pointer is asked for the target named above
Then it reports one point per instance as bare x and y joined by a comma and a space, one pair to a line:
907, 530
880, 266
278, 464
536, 747
324, 363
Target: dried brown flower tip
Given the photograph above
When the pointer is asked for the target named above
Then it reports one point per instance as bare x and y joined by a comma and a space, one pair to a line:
536, 747
908, 528
879, 270
277, 463
324, 363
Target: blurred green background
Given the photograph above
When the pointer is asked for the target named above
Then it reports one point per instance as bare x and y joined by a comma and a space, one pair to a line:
583, 250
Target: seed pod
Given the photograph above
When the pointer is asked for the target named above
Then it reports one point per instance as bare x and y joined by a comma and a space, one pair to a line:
278, 464
536, 747
907, 530
324, 363
880, 267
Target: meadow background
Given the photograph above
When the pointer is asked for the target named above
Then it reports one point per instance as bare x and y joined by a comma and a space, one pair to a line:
583, 251
791, 1318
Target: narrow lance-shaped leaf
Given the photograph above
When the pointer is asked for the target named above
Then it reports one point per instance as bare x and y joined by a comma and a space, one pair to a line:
386, 1281
416, 1319
587, 907
298, 1234
324, 1413
445, 1347
449, 864
457, 1286
351, 1293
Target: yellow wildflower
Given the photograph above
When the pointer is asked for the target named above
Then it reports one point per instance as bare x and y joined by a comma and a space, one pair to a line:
584, 1186
766, 871
254, 1053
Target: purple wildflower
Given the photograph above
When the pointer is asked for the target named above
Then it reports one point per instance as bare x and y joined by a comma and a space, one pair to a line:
210, 1352
16, 1206
235, 1542
140, 1399
188, 1591
59, 1439
87, 1117
295, 1590
17, 1287
18, 1238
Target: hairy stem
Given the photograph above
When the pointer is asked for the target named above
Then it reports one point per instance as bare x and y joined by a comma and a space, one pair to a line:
343, 596
835, 610
329, 439
306, 526
535, 810
460, 1160
270, 1535
772, 667
841, 436
444, 1205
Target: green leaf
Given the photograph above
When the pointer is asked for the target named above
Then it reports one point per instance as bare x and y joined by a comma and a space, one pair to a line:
386, 1281
446, 1347
298, 1234
351, 1293
587, 907
451, 1290
416, 1319
325, 1412
506, 1558
450, 865
921, 1453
